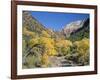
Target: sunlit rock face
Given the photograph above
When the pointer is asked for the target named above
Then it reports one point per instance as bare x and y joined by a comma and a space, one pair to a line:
72, 27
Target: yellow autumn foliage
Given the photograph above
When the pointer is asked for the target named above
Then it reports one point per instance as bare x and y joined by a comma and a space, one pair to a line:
63, 43
33, 41
63, 46
45, 34
44, 60
49, 46
28, 33
82, 46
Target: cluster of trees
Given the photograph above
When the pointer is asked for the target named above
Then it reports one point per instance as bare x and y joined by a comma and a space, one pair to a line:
37, 48
80, 52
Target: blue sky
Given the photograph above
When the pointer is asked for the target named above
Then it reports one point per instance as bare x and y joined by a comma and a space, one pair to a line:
57, 20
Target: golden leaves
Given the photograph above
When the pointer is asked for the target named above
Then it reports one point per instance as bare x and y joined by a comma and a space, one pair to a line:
49, 45
28, 33
45, 34
82, 45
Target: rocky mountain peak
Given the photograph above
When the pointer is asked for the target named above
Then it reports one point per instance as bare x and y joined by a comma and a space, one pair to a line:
71, 27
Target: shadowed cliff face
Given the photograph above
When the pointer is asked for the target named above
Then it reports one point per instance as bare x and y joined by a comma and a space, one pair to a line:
74, 27
82, 32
